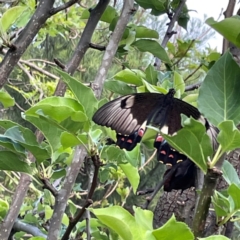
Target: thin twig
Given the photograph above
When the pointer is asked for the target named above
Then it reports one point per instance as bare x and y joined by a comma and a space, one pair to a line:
169, 31
184, 54
62, 7
49, 186
191, 74
98, 47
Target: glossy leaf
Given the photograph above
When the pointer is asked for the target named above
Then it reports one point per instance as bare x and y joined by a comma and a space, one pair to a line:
10, 16
228, 28
83, 94
178, 82
157, 7
116, 218
132, 175
109, 14
234, 192
59, 109
4, 207
219, 93
144, 32
229, 136
229, 173
27, 139
12, 162
118, 87
193, 142
130, 76
181, 231
51, 133
221, 204
151, 75
147, 45
6, 99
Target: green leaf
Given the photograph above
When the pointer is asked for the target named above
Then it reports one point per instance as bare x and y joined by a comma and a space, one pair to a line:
127, 41
83, 94
229, 136
132, 175
221, 204
51, 132
144, 32
153, 89
181, 231
178, 82
116, 218
59, 109
109, 14
27, 139
183, 18
229, 173
151, 75
133, 76
6, 99
158, 7
113, 153
133, 156
143, 218
192, 141
147, 45
215, 237
227, 28
10, 16
234, 192
4, 207
219, 93
70, 140
191, 99
12, 162
118, 87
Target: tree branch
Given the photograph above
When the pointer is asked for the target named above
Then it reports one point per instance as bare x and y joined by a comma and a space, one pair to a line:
17, 201
228, 13
64, 6
24, 39
88, 202
98, 47
83, 44
169, 31
27, 228
64, 192
209, 185
112, 46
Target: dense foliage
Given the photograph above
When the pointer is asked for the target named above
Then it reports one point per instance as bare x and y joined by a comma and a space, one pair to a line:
57, 169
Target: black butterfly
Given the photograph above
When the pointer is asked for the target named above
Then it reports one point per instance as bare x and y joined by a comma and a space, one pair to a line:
129, 115
181, 174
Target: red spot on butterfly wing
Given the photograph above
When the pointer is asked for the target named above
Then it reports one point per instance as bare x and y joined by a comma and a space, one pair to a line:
141, 132
159, 138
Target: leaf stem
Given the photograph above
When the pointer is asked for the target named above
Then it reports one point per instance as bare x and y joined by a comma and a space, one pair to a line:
216, 157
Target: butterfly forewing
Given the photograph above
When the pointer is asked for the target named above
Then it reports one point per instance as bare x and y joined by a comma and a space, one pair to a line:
126, 114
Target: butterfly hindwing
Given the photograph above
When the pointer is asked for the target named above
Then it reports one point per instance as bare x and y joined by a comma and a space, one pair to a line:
182, 177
